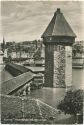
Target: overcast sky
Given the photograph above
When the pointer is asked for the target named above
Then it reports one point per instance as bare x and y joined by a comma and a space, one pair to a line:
28, 20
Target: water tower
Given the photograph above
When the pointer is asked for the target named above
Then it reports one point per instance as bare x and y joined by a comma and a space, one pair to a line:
58, 39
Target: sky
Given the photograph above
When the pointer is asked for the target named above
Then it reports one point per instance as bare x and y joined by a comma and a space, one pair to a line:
27, 20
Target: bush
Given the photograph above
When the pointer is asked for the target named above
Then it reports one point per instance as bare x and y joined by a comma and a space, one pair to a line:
72, 103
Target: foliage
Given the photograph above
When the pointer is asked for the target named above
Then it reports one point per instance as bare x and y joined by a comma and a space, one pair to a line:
37, 55
3, 46
77, 48
72, 102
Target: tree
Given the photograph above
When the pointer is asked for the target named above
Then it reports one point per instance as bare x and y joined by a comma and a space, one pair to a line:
37, 54
3, 46
72, 103
77, 48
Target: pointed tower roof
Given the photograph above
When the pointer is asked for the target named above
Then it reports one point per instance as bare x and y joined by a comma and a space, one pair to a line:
3, 48
58, 26
3, 40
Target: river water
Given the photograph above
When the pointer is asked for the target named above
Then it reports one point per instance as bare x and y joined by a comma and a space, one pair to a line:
52, 96
78, 78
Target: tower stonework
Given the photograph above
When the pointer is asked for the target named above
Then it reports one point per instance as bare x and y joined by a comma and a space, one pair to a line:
68, 66
58, 39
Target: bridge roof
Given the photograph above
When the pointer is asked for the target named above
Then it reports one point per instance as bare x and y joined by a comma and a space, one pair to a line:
58, 26
18, 67
16, 82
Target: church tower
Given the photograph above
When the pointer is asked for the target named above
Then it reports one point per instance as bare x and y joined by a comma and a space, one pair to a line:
58, 39
3, 48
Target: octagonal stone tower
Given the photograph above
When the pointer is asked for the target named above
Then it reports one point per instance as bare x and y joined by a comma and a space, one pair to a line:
58, 39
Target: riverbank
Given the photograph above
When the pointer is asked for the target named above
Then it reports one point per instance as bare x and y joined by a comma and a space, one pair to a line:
78, 62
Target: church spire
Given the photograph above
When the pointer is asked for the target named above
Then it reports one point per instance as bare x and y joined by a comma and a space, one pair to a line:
3, 40
3, 44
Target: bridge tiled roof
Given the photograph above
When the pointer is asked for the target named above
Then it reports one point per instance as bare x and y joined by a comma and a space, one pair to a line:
21, 68
16, 82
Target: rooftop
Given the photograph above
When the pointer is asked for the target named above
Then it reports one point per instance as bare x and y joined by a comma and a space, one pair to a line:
16, 82
58, 26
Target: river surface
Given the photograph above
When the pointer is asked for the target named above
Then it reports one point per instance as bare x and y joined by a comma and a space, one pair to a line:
78, 78
52, 96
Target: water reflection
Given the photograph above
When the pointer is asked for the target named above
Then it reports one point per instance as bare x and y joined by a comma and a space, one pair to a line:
78, 78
